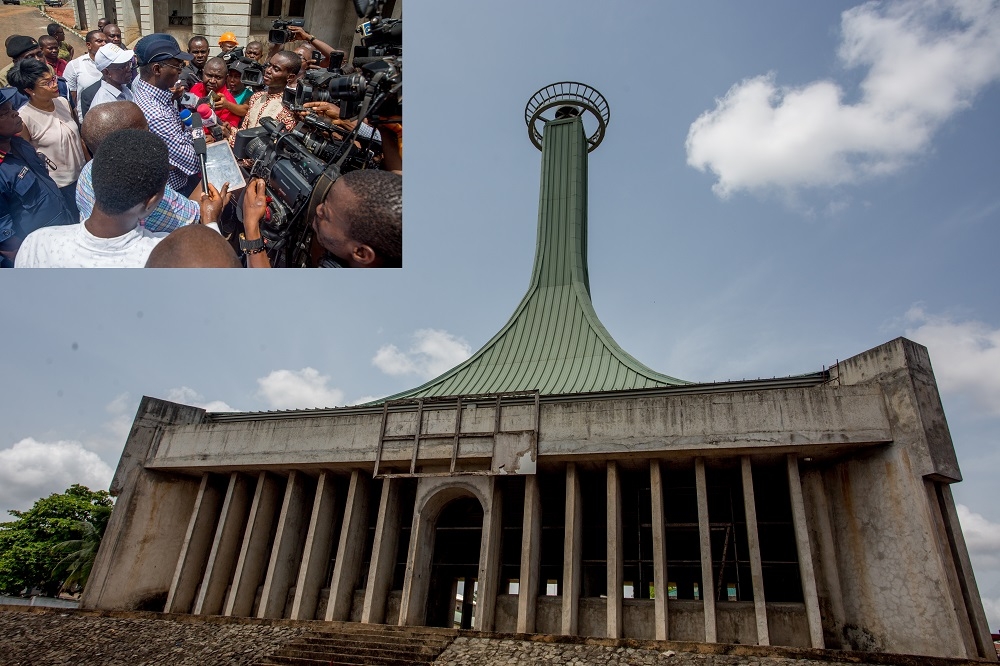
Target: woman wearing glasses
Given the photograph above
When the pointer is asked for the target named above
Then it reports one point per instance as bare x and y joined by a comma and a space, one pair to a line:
49, 125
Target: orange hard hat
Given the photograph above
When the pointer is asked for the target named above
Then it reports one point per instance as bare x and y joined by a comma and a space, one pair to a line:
228, 37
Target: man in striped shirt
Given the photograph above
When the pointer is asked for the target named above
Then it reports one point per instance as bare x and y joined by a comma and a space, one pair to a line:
155, 91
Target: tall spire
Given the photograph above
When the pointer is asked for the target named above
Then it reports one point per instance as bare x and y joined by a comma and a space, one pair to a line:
554, 341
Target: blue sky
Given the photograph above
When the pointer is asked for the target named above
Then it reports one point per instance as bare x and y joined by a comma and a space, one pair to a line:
782, 184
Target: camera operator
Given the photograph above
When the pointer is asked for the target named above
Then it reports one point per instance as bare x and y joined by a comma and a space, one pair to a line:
281, 72
390, 133
360, 221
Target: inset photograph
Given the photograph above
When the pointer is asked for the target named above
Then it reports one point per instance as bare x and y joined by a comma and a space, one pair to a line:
258, 134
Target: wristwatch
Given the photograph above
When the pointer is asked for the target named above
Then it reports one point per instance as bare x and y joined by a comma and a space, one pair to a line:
312, 39
251, 246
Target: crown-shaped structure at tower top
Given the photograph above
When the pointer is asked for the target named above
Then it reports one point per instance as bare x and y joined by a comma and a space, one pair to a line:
554, 342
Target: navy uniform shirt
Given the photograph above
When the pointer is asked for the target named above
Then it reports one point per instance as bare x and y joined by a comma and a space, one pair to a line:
29, 198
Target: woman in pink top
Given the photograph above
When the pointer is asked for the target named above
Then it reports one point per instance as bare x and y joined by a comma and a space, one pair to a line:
49, 125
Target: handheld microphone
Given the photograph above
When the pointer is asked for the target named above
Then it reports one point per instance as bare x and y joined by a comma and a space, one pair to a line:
200, 147
208, 117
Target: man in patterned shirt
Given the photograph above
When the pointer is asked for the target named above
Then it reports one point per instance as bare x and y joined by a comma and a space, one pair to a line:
174, 210
280, 73
155, 91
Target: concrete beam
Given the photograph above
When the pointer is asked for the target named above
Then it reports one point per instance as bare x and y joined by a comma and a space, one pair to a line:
615, 565
350, 548
806, 568
195, 549
705, 539
531, 555
383, 562
225, 547
659, 552
253, 550
572, 552
317, 549
753, 539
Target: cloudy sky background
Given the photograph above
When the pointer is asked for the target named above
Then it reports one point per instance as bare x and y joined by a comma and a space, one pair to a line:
782, 185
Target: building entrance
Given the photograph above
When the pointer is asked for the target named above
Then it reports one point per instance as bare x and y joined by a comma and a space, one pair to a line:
451, 599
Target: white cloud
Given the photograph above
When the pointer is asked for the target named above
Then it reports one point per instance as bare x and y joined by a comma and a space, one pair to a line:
287, 389
965, 354
119, 405
432, 352
188, 396
925, 61
30, 469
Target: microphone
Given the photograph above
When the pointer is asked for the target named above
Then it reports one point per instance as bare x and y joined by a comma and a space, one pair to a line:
200, 146
208, 117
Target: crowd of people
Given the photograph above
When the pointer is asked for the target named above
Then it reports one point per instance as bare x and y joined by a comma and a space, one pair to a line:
97, 168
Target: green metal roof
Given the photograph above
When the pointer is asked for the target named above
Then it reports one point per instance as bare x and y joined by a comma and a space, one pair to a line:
554, 341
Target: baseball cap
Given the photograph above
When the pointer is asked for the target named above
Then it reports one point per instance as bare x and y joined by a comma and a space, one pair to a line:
112, 54
7, 94
158, 47
228, 37
20, 44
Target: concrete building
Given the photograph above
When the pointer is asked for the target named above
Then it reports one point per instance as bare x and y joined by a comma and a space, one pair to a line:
332, 21
554, 484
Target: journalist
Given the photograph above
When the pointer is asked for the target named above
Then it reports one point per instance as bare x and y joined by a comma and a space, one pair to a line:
360, 221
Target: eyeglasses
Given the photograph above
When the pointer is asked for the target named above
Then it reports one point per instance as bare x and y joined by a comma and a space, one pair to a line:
169, 64
47, 82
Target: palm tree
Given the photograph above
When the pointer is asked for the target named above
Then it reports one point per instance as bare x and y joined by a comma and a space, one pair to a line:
80, 559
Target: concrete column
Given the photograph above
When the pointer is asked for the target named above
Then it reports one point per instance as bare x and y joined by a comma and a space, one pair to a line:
614, 566
350, 548
659, 552
967, 580
705, 538
826, 557
572, 551
531, 555
753, 540
419, 556
383, 563
195, 549
216, 17
489, 559
286, 553
316, 553
225, 547
253, 550
806, 569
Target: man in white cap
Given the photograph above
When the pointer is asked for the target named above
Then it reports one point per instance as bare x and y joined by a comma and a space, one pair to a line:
115, 65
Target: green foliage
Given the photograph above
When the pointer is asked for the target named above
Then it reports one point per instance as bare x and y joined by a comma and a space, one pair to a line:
33, 547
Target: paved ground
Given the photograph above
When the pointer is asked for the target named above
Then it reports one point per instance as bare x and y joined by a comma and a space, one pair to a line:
18, 20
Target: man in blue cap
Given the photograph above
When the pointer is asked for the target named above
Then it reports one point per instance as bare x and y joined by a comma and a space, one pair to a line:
29, 198
156, 91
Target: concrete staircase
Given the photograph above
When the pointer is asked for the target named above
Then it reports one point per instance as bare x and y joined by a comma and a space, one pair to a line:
355, 644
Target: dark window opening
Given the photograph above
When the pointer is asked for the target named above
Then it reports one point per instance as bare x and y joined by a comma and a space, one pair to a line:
680, 511
407, 498
728, 529
512, 524
552, 492
297, 8
637, 535
594, 555
779, 559
374, 497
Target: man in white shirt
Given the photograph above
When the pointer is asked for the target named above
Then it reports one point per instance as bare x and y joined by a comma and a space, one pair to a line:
82, 71
115, 65
129, 174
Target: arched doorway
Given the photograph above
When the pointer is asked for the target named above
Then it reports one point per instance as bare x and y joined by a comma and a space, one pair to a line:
455, 564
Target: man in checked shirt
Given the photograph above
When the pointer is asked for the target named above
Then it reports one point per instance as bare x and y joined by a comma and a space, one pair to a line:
155, 91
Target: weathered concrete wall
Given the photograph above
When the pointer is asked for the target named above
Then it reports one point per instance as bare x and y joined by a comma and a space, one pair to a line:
686, 620
505, 620
783, 419
639, 618
138, 555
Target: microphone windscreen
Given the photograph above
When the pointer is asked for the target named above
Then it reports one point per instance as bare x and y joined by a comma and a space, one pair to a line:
198, 136
205, 111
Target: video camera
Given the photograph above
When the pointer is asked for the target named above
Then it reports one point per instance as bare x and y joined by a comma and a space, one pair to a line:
299, 164
379, 36
279, 33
